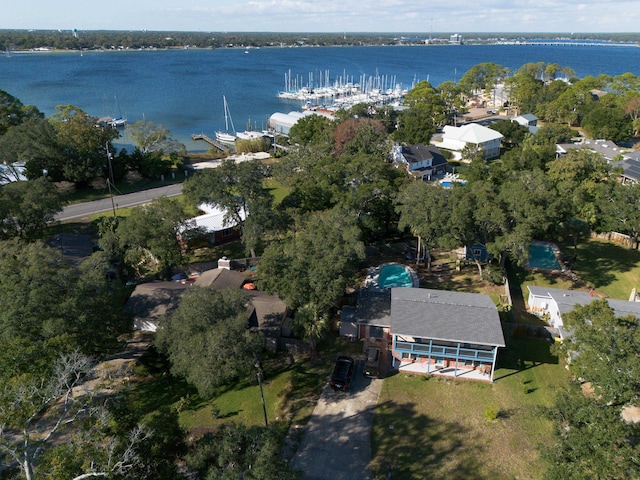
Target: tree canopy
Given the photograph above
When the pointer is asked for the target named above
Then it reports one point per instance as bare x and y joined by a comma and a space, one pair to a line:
149, 239
313, 263
593, 440
238, 190
208, 340
27, 208
84, 144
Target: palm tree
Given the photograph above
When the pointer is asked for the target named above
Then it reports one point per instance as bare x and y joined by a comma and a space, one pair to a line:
311, 323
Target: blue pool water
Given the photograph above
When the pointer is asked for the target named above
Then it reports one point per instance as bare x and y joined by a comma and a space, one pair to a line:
543, 257
394, 276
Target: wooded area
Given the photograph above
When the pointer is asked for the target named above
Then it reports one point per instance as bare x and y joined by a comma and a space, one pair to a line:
340, 192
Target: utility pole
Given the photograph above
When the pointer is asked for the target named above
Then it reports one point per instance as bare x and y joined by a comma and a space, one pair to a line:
259, 375
113, 205
264, 407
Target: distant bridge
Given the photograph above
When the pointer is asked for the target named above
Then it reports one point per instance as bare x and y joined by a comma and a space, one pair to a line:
558, 43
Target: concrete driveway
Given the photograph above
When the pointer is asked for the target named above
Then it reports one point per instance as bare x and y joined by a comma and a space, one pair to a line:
336, 443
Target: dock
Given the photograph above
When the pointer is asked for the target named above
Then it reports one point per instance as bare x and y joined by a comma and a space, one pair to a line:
206, 138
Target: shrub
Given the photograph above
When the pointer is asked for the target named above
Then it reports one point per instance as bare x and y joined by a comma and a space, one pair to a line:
491, 412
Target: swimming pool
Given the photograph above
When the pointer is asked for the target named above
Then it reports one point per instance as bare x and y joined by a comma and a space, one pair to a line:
395, 275
543, 256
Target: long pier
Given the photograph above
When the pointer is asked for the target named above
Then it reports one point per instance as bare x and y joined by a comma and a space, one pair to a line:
206, 138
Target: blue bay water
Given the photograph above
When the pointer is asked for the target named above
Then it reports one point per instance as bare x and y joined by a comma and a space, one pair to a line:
183, 89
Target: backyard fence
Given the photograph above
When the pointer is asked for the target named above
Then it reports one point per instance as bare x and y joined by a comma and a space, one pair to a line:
615, 237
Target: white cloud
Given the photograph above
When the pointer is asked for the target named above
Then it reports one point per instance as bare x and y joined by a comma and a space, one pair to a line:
328, 15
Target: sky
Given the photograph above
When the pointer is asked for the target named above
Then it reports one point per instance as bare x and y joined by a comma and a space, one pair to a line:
338, 16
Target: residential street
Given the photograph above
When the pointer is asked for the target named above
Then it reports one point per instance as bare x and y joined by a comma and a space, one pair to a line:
80, 210
336, 443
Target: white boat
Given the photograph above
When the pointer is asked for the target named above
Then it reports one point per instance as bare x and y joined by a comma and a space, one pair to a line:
117, 122
227, 136
249, 135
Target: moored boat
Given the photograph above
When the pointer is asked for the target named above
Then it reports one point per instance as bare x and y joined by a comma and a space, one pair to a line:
227, 136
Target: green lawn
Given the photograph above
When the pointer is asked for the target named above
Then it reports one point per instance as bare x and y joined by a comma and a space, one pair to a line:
290, 391
278, 191
612, 269
436, 428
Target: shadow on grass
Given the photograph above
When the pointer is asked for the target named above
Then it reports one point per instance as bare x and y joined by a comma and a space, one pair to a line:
410, 445
524, 353
597, 261
157, 388
308, 378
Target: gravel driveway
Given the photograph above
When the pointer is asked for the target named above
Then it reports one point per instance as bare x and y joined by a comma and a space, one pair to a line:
336, 443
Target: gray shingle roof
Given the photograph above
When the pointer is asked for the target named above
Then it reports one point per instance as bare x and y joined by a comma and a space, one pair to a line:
373, 308
630, 168
444, 315
568, 299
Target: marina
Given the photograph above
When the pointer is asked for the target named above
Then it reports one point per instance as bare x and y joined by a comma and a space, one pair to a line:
182, 89
344, 91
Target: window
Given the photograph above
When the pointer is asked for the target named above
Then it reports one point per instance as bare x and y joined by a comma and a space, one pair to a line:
477, 252
227, 232
376, 332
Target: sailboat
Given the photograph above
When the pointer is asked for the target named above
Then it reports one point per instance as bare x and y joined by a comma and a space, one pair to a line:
115, 122
226, 136
118, 121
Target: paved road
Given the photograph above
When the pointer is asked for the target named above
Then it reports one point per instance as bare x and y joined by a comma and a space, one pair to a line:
336, 443
80, 210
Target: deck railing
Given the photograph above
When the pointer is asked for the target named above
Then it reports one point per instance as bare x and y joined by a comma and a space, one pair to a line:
438, 351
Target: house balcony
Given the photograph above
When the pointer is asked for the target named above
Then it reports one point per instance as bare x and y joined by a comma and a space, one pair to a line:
439, 351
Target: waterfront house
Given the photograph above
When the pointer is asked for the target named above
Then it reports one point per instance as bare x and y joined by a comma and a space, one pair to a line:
552, 303
484, 138
420, 160
440, 331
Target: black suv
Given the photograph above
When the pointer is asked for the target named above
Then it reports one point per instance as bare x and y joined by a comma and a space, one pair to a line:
342, 373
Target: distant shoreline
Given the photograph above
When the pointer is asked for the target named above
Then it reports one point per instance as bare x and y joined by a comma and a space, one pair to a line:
594, 44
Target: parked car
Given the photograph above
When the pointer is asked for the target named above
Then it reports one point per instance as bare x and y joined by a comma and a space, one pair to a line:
342, 373
371, 362
492, 112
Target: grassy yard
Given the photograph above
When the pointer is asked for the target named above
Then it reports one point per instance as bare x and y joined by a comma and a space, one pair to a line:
612, 269
290, 391
278, 191
437, 428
